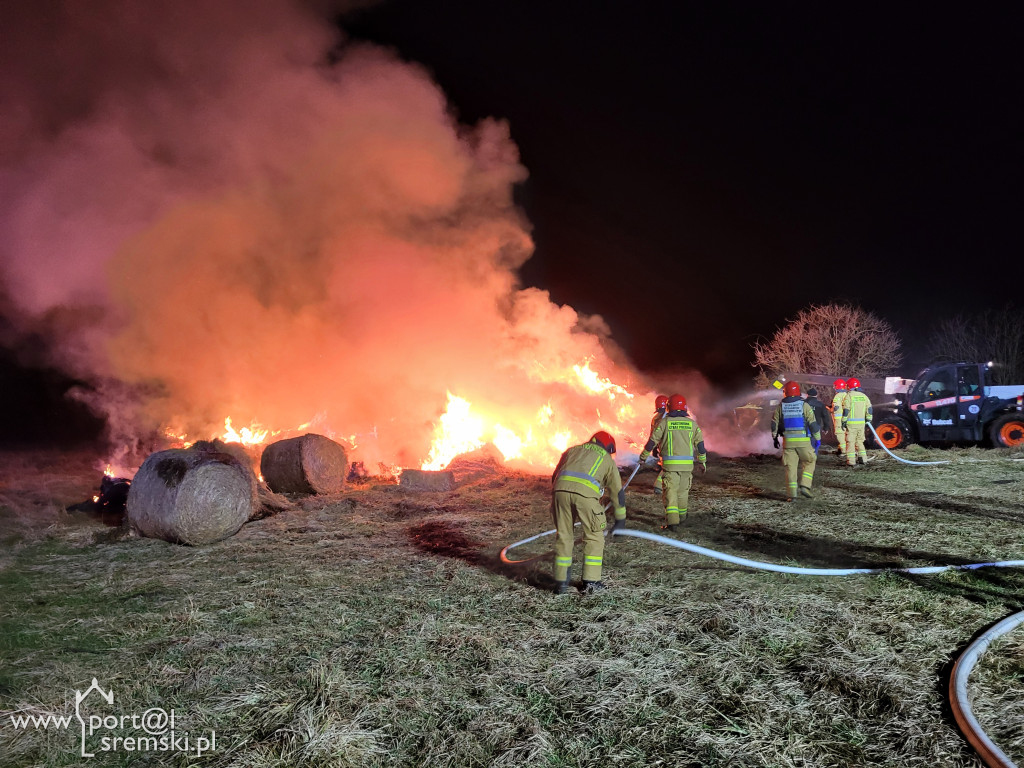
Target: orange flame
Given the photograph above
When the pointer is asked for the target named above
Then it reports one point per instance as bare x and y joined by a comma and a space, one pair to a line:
534, 441
252, 435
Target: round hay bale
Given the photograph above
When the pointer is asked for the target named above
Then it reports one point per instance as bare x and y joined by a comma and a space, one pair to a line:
308, 464
191, 497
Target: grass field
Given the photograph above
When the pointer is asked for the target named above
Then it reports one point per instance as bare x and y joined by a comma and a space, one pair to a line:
378, 627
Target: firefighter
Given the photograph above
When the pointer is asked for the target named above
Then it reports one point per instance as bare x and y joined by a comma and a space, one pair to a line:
660, 409
794, 421
837, 414
856, 415
679, 439
583, 474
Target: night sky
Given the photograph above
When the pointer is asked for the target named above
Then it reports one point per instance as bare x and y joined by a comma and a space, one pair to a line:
699, 173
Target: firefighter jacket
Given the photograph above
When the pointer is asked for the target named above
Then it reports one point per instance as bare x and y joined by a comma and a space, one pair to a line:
856, 409
794, 420
679, 439
589, 470
837, 410
655, 420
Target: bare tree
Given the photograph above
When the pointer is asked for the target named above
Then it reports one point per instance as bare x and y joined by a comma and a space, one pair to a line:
992, 335
833, 339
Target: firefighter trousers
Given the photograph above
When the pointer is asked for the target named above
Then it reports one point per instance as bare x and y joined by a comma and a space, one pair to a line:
565, 505
841, 440
677, 494
855, 445
799, 464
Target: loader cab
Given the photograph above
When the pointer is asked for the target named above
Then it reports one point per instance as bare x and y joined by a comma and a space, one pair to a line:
946, 401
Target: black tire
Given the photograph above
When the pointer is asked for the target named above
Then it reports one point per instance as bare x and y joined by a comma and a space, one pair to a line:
1008, 430
894, 432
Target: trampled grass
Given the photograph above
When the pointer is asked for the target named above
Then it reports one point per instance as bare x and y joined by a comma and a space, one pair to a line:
379, 628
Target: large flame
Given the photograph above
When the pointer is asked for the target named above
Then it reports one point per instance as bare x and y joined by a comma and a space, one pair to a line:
535, 437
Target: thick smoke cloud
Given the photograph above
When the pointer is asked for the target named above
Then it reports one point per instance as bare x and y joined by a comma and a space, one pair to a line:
218, 209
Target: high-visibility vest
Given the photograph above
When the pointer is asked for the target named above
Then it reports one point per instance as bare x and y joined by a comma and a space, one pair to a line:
794, 423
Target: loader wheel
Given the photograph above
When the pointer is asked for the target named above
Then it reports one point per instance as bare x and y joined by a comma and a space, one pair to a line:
894, 432
1008, 430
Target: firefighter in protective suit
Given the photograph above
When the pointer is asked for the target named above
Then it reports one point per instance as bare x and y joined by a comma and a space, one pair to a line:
660, 409
794, 421
679, 439
837, 414
856, 415
583, 474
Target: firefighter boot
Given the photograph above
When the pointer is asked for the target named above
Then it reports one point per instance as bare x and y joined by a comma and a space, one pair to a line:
806, 492
592, 587
671, 528
562, 587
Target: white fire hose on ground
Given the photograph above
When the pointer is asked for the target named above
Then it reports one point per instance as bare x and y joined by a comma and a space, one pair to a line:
992, 755
905, 461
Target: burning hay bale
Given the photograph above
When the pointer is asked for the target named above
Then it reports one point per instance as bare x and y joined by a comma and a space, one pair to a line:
424, 480
308, 464
475, 465
191, 497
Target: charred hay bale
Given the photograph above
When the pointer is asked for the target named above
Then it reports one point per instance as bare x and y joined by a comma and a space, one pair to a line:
191, 497
424, 480
308, 464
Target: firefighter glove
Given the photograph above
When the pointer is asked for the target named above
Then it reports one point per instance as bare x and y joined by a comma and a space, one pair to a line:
619, 525
815, 443
843, 425
643, 457
775, 440
704, 467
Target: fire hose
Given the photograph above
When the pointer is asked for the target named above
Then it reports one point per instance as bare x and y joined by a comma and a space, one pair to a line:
905, 461
759, 565
990, 753
504, 556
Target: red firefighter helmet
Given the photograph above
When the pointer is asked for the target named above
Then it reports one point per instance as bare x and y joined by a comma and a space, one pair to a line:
660, 402
605, 440
839, 385
792, 389
677, 403
853, 383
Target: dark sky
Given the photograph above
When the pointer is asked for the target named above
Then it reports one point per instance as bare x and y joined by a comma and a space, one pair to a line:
699, 173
